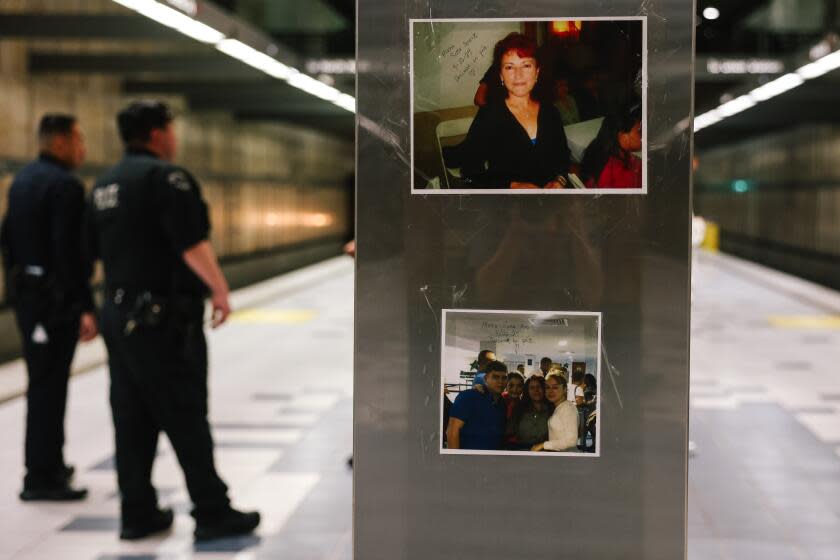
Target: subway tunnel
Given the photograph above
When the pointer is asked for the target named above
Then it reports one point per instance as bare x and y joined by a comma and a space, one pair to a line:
272, 124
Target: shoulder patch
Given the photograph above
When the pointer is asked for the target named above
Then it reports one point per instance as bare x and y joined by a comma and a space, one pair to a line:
107, 197
179, 180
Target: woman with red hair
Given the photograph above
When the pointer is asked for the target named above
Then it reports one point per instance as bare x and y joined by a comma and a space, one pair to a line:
516, 140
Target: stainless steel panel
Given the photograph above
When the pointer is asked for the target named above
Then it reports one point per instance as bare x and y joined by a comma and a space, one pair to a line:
626, 256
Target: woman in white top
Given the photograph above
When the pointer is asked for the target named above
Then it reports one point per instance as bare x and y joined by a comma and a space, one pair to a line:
563, 424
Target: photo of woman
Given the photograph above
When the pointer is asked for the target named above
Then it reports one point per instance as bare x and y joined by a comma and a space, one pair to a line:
516, 140
528, 424
510, 106
563, 424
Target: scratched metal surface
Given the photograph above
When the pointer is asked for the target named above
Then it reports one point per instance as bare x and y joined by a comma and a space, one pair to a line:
626, 256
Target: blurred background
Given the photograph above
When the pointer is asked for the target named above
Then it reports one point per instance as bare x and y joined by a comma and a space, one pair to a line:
264, 92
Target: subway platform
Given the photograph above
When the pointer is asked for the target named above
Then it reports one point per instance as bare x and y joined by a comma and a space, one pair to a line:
764, 479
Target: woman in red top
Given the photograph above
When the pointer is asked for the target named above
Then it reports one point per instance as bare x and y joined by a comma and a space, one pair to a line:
609, 161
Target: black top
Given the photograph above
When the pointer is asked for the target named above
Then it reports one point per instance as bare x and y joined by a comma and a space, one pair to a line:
144, 213
497, 149
43, 230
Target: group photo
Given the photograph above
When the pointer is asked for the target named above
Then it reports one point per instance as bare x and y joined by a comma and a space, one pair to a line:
520, 382
529, 106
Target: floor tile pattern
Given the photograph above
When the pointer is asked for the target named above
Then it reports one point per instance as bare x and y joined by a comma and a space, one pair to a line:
764, 480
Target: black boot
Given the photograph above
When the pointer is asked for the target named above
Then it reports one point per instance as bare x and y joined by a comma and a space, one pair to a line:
53, 493
160, 521
229, 524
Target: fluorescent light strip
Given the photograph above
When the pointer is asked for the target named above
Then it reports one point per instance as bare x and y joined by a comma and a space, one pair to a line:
277, 69
254, 58
347, 102
237, 49
776, 87
820, 66
736, 106
171, 17
706, 119
312, 86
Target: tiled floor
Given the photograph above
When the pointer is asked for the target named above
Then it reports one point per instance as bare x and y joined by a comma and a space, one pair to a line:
764, 483
281, 410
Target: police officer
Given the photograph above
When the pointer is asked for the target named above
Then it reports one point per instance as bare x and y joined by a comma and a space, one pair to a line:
150, 227
47, 284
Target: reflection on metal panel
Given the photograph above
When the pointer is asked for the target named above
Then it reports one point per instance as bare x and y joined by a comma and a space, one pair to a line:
624, 256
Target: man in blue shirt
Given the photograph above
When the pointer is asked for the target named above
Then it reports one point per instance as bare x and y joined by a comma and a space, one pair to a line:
477, 420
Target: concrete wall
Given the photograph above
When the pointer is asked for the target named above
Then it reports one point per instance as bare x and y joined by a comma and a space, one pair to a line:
777, 200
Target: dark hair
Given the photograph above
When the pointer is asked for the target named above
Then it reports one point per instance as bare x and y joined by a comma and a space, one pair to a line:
591, 381
525, 47
496, 366
483, 355
544, 358
525, 404
513, 374
53, 124
137, 121
606, 145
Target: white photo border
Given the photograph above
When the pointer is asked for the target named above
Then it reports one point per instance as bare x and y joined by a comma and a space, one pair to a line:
502, 452
549, 192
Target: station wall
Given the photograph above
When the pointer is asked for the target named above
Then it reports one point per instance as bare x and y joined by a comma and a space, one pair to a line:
269, 186
280, 195
777, 200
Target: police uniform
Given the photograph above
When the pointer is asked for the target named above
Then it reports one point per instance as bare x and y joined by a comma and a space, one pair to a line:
47, 284
144, 213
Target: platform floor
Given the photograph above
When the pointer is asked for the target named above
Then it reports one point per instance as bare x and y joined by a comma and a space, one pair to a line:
764, 480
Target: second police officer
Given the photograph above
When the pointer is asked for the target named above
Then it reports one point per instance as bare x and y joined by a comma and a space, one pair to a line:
150, 227
46, 275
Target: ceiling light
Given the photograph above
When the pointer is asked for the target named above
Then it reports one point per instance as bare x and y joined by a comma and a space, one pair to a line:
173, 18
313, 86
711, 13
821, 66
256, 59
706, 119
347, 102
736, 106
776, 87
237, 49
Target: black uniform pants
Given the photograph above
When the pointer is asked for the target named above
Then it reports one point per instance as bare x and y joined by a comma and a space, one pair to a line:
159, 383
49, 343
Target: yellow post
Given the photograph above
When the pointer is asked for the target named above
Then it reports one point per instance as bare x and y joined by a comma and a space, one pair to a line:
711, 242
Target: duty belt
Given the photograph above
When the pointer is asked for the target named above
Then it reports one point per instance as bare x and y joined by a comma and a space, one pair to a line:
147, 309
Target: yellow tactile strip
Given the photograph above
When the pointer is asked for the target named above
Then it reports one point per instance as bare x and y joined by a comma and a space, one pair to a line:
273, 316
805, 321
